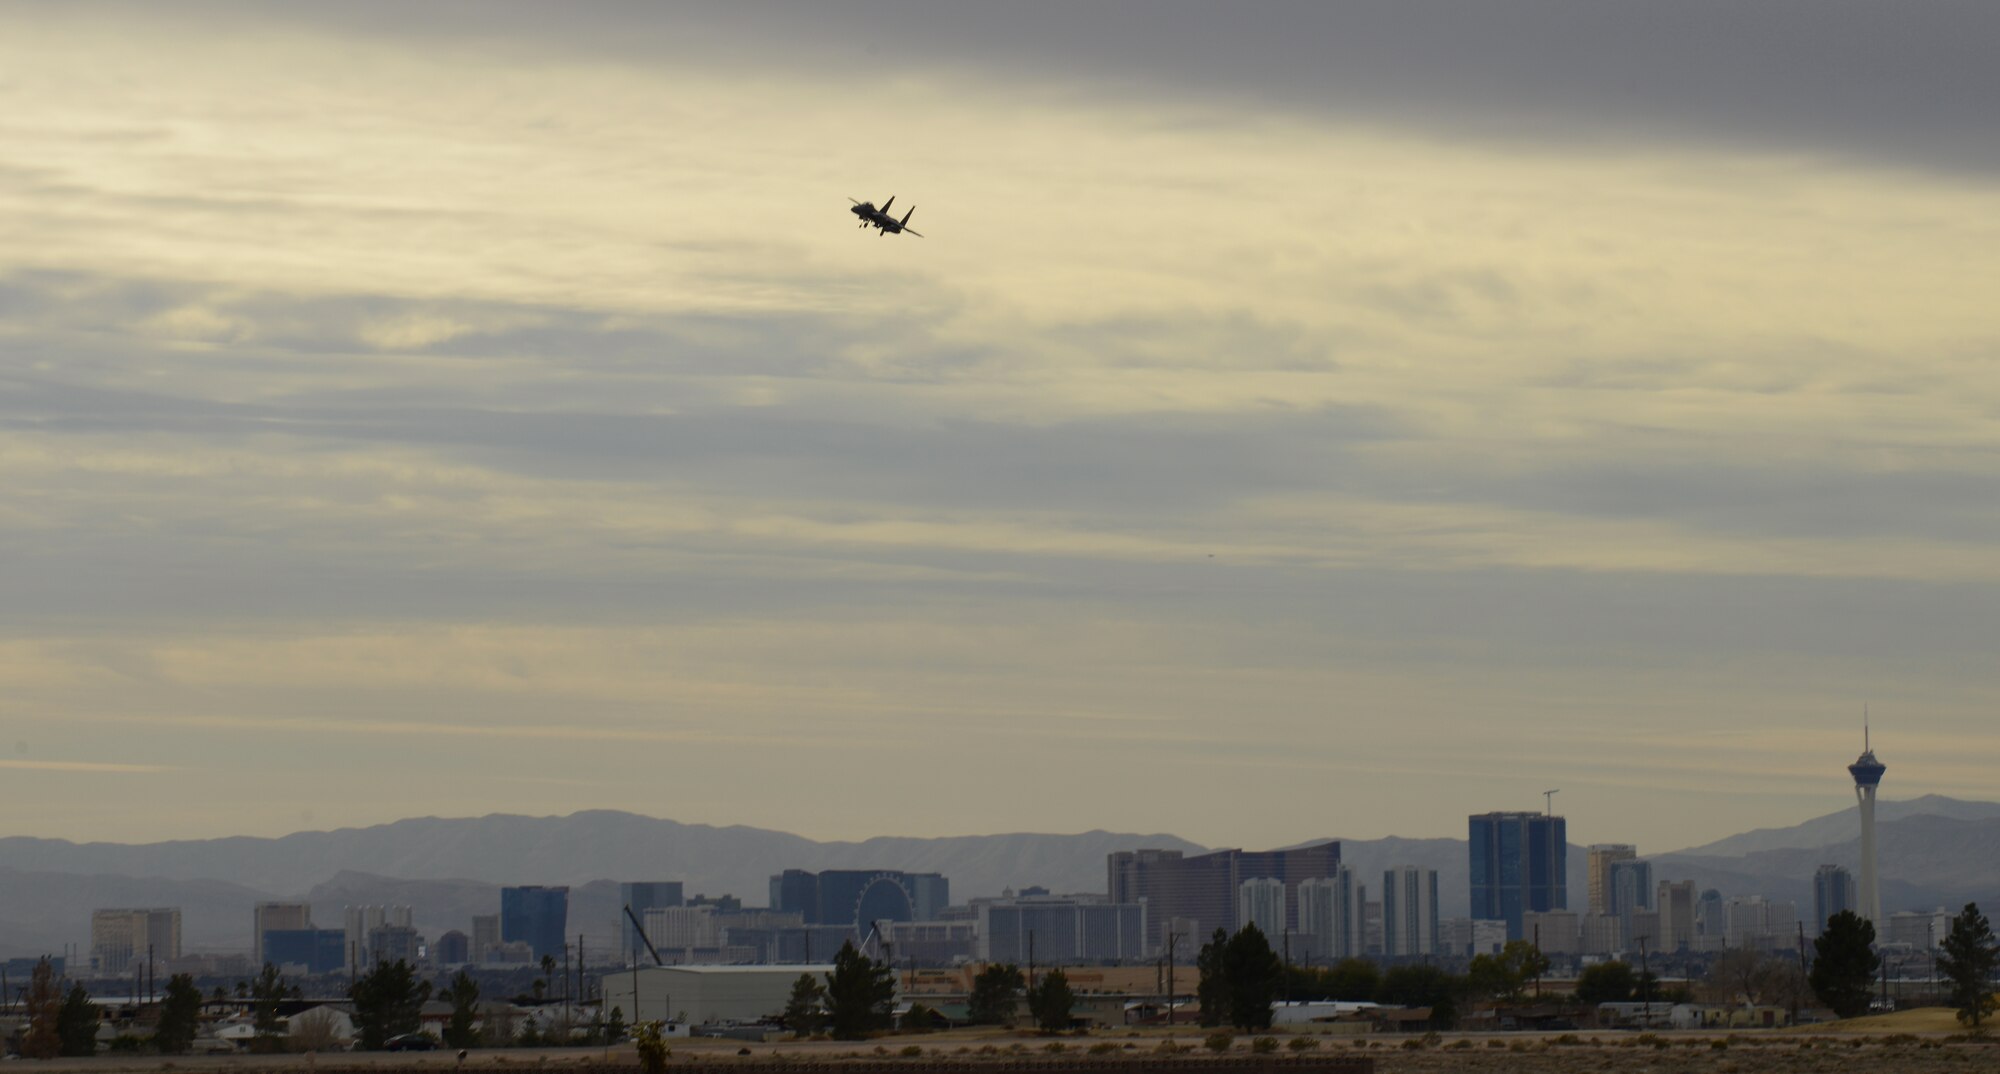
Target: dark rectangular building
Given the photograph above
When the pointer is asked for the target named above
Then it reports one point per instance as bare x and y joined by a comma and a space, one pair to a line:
1520, 863
537, 916
857, 898
318, 950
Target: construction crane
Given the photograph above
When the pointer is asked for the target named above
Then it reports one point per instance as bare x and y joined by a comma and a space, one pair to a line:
1549, 802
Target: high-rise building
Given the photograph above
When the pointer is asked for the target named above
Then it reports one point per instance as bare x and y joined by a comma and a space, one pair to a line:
361, 923
1466, 937
485, 936
275, 915
1409, 911
1631, 892
1329, 916
859, 898
676, 928
1553, 932
1710, 921
1519, 863
1675, 901
119, 939
452, 949
1600, 934
310, 951
641, 896
1867, 773
1200, 892
1600, 858
1760, 924
1260, 901
1063, 930
1833, 892
393, 943
537, 916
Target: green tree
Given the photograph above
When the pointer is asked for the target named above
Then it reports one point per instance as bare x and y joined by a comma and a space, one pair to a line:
1051, 1002
388, 1001
614, 1026
919, 1019
266, 993
1844, 964
860, 995
1254, 974
996, 992
43, 1039
1422, 986
1353, 979
76, 1023
1211, 990
1606, 982
463, 995
1506, 975
1967, 958
180, 1013
805, 1010
651, 1044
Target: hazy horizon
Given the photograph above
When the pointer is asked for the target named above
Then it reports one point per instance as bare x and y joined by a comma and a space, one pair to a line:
1296, 418
1241, 844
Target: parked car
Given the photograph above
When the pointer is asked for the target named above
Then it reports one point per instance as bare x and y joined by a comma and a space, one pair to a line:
412, 1042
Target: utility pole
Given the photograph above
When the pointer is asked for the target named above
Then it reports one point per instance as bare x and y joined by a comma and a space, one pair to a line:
1288, 964
1173, 939
1645, 988
1803, 983
1031, 961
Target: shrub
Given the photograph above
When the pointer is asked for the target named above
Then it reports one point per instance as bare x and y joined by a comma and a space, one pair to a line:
1055, 1047
1302, 1044
1169, 1047
1414, 1044
1218, 1042
911, 1051
1104, 1047
1264, 1045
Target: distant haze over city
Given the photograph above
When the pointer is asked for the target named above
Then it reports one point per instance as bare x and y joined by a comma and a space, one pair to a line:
1938, 851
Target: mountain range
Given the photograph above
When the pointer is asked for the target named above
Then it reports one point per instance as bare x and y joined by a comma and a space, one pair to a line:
1936, 851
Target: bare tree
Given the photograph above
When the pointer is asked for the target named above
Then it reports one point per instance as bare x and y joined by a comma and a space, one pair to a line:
317, 1030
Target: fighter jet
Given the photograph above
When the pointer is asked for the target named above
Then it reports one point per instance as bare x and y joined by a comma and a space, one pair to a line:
880, 218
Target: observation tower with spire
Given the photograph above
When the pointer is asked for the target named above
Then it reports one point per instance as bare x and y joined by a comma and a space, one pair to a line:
1867, 773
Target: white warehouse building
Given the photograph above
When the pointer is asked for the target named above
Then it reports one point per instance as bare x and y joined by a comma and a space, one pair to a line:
701, 995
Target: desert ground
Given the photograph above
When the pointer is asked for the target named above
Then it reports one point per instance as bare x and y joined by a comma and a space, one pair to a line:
1908, 1042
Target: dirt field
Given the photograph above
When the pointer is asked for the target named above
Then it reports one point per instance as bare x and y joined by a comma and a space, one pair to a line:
1913, 1042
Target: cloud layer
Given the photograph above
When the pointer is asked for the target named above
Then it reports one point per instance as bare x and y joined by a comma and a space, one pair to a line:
477, 406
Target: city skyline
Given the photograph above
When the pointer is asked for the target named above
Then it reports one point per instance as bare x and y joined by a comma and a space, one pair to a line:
1304, 422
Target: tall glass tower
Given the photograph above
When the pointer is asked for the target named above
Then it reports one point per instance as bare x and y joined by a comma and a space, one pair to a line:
1867, 773
1519, 863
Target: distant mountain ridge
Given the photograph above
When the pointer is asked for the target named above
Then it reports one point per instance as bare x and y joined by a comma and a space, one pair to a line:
1844, 825
596, 844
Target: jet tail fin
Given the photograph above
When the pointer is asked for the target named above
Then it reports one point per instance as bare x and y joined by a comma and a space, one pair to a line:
906, 216
886, 204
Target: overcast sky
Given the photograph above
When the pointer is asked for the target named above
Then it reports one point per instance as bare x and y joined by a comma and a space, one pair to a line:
1300, 419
